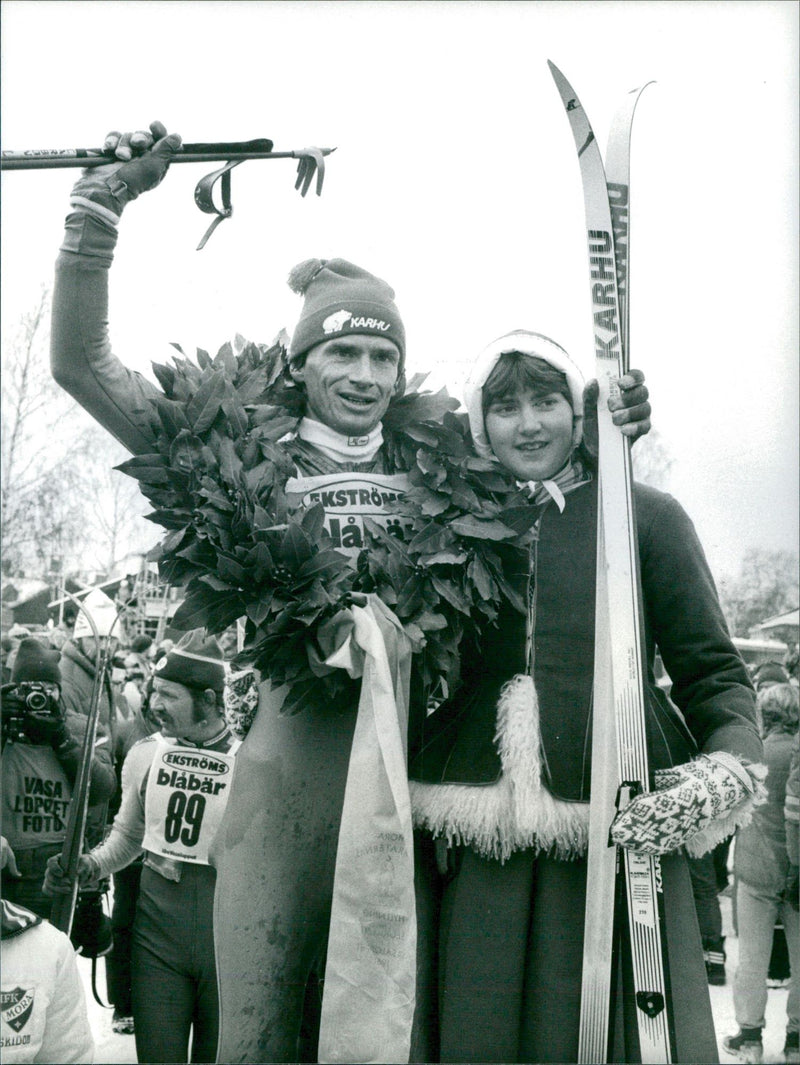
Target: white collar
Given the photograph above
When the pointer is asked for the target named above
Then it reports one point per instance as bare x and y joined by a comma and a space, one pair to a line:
336, 445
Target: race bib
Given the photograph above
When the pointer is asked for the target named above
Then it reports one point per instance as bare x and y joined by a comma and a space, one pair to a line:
348, 498
187, 792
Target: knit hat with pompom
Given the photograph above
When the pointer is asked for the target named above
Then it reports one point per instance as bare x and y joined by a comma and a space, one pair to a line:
342, 299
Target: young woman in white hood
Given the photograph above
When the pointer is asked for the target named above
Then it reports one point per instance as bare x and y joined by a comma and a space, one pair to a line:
503, 777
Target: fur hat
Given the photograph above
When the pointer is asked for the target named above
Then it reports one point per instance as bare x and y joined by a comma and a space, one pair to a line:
196, 661
342, 299
527, 343
35, 662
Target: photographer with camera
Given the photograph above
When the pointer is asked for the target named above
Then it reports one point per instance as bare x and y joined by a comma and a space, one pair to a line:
42, 746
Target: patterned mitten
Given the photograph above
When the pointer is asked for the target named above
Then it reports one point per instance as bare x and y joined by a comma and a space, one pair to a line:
697, 805
240, 699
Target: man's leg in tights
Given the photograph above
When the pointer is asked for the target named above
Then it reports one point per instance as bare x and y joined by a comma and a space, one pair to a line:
163, 1008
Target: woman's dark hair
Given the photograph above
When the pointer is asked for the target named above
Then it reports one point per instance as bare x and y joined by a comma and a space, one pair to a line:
515, 370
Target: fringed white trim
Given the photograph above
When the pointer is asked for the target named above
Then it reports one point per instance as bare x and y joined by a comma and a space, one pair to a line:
715, 832
516, 812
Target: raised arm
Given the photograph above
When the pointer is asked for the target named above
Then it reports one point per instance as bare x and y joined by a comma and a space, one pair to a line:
82, 361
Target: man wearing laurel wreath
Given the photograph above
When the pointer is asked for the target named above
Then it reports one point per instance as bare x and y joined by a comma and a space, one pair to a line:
315, 854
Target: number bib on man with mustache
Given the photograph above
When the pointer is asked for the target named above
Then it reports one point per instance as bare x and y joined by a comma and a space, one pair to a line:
187, 792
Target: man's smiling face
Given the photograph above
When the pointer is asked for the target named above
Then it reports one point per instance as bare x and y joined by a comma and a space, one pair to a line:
350, 381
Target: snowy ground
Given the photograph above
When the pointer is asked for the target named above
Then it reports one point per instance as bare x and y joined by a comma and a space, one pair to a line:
120, 1049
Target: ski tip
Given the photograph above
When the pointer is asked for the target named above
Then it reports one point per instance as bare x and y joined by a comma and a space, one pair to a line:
553, 68
640, 88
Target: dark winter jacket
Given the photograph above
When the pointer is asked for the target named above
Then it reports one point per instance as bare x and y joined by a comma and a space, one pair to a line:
760, 856
77, 682
791, 808
713, 706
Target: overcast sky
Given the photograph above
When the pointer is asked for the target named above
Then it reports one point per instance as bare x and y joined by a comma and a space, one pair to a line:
455, 178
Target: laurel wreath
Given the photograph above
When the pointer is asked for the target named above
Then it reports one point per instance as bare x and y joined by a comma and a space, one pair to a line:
216, 482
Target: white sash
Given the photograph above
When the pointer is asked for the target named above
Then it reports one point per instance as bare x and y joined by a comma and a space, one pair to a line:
370, 975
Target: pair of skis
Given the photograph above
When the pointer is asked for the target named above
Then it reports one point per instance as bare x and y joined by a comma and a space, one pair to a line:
619, 747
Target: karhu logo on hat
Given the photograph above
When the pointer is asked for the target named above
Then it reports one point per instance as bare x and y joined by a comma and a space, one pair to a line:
335, 322
369, 323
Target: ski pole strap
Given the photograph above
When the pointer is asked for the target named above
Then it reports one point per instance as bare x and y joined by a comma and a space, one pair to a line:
204, 197
311, 161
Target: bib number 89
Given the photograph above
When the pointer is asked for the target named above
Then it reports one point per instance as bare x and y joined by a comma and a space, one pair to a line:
180, 811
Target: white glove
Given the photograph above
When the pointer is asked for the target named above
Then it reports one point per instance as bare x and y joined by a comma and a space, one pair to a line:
697, 804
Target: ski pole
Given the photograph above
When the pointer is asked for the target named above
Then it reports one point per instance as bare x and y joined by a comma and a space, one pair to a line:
211, 152
311, 161
63, 909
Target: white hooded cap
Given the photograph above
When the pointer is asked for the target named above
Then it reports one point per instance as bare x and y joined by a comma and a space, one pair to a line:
103, 613
527, 343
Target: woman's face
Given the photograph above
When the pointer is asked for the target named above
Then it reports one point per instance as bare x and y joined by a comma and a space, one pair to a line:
531, 435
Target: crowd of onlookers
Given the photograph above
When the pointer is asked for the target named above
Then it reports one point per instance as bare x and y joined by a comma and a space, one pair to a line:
48, 683
757, 868
41, 748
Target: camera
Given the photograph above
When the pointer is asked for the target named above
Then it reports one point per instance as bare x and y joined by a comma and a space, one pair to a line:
27, 702
36, 698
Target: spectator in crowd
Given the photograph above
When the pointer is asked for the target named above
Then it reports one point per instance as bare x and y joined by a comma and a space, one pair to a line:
79, 658
766, 673
705, 889
15, 634
6, 647
135, 676
765, 867
126, 880
792, 662
122, 711
43, 1014
174, 789
791, 812
42, 749
142, 645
